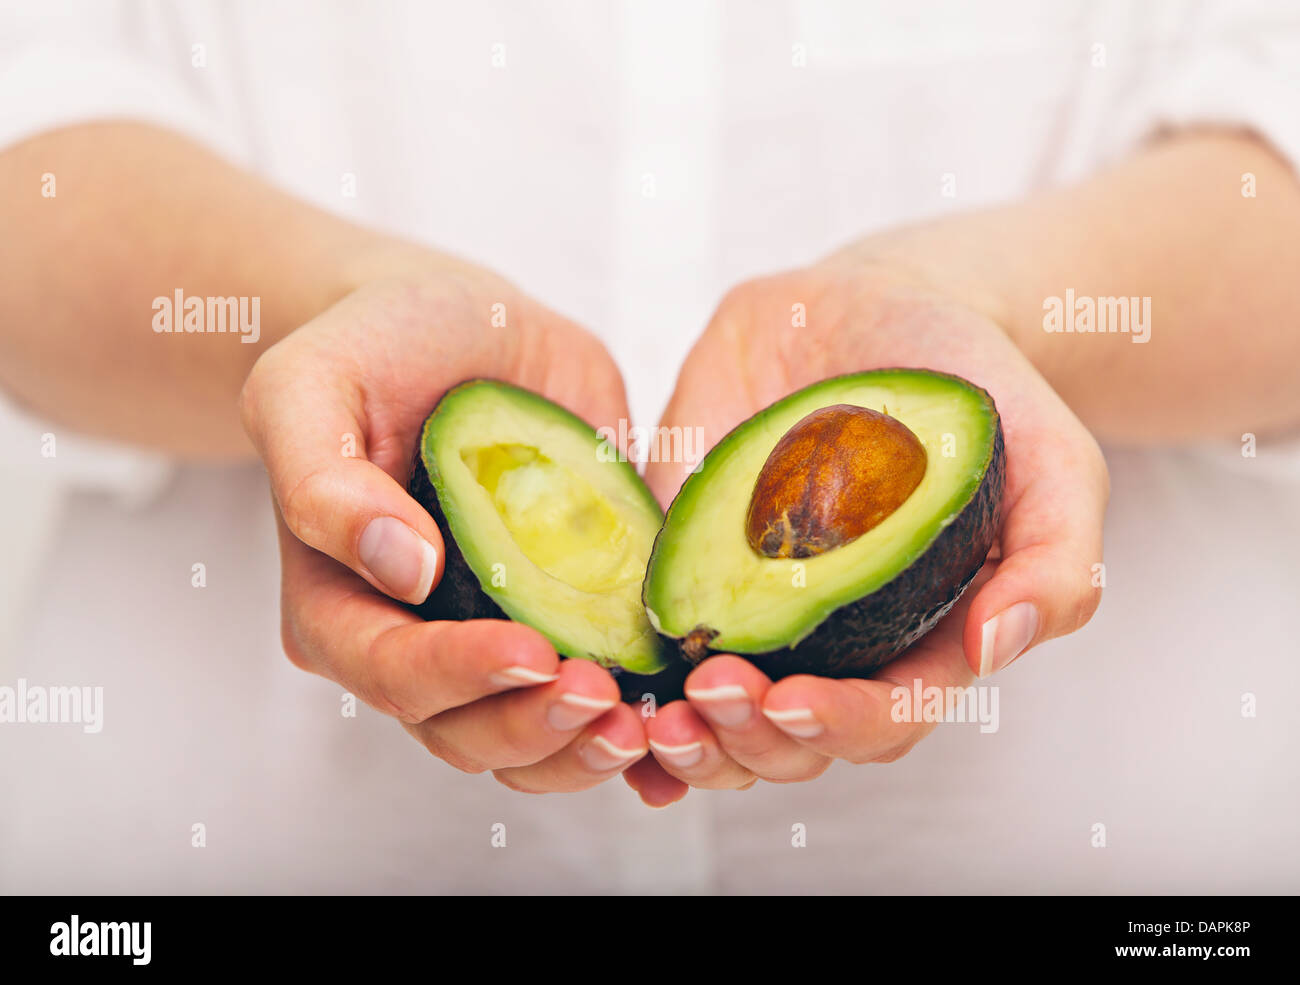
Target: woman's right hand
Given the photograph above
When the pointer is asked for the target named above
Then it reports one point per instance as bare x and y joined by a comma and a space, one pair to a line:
335, 410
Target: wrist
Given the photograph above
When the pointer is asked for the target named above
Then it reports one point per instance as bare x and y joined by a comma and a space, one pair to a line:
371, 257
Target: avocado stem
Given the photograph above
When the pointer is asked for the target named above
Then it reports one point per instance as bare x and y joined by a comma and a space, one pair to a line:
696, 644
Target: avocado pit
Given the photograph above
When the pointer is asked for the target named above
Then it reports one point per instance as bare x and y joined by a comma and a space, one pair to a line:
836, 474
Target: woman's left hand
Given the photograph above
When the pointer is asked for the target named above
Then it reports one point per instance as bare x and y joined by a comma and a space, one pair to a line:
775, 335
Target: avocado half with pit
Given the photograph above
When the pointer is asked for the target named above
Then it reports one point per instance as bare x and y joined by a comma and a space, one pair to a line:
834, 529
541, 523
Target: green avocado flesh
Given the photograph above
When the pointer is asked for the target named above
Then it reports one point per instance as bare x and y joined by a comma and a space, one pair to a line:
540, 524
848, 610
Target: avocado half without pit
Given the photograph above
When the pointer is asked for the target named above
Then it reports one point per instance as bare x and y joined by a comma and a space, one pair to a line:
832, 530
541, 524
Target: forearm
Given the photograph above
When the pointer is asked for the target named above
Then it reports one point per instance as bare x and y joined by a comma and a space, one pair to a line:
139, 214
1172, 225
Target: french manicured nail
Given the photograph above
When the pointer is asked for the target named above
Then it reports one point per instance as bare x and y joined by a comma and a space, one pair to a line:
728, 705
521, 677
573, 711
402, 560
1006, 636
799, 722
683, 757
600, 754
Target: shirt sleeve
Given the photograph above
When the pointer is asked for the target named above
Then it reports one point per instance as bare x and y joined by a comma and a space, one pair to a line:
1224, 64
1234, 65
64, 62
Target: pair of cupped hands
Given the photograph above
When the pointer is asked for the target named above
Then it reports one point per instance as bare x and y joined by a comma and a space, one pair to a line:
335, 410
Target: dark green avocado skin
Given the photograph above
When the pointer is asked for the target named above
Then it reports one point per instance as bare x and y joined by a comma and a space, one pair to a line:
857, 639
667, 685
460, 596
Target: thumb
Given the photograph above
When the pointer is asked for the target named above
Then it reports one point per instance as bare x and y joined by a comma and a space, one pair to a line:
1045, 585
311, 435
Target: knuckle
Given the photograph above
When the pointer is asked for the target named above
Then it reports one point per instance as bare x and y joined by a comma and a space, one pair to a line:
1093, 464
513, 742
387, 661
890, 755
298, 506
1085, 607
247, 404
456, 758
1075, 602
1103, 476
256, 383
738, 778
709, 779
512, 781
800, 774
250, 392
292, 645
816, 769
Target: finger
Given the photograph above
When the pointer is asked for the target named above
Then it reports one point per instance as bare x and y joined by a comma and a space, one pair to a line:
524, 726
727, 692
858, 720
336, 626
1046, 584
605, 748
331, 496
654, 786
684, 745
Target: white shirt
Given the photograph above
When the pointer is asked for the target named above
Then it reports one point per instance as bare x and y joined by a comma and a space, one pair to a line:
627, 164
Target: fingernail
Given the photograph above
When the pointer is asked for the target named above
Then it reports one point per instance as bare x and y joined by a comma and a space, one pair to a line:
399, 558
573, 711
683, 757
1006, 635
799, 722
520, 677
600, 754
728, 705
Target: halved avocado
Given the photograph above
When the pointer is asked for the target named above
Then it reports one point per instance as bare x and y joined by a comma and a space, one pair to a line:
541, 524
833, 529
